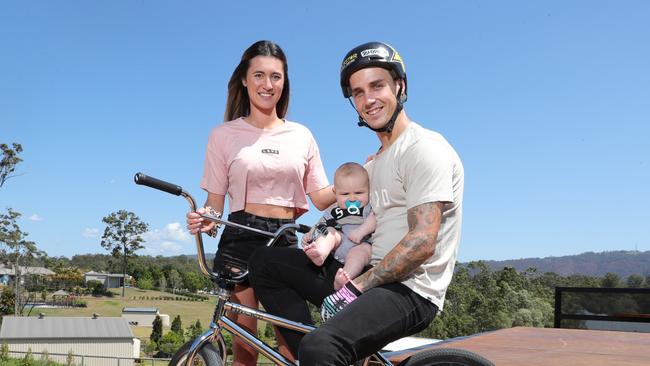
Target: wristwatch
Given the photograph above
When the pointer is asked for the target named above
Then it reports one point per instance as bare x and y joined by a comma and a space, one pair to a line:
211, 211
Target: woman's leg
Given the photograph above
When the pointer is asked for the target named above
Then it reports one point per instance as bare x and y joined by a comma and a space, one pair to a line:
284, 279
283, 347
243, 354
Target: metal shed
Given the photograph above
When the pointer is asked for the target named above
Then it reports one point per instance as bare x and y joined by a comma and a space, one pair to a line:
110, 280
144, 317
99, 340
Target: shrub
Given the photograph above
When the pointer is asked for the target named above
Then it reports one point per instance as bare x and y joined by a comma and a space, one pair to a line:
170, 343
28, 360
4, 352
69, 360
80, 304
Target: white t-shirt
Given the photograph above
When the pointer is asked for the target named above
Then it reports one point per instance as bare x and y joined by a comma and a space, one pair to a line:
419, 167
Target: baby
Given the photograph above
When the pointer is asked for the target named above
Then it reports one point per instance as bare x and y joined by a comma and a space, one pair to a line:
345, 227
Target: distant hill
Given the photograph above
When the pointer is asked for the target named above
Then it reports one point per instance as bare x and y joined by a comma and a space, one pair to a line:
623, 263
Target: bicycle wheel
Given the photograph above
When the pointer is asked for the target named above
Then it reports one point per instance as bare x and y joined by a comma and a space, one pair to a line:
208, 355
446, 357
369, 361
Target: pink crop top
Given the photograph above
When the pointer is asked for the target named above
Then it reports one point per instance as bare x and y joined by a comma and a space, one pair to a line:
251, 165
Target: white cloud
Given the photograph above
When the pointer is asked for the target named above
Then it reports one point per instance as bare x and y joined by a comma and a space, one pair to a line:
91, 233
170, 246
35, 217
173, 239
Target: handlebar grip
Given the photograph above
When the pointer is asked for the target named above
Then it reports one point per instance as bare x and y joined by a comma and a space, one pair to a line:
152, 182
304, 229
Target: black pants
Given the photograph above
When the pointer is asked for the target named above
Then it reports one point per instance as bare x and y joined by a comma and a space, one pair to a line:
237, 245
283, 278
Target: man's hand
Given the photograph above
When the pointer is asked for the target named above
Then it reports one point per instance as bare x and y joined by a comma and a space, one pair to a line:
338, 300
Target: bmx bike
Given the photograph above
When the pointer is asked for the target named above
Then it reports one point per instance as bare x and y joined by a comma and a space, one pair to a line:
210, 349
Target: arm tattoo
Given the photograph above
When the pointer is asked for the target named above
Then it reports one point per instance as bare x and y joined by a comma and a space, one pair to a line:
416, 247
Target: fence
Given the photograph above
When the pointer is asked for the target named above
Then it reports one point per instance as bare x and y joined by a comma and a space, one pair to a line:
88, 360
84, 360
620, 309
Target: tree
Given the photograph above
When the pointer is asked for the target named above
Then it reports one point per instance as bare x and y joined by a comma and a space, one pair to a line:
156, 332
175, 280
67, 277
634, 281
16, 249
177, 325
195, 330
9, 160
7, 301
192, 281
162, 282
145, 283
122, 236
611, 280
97, 288
170, 343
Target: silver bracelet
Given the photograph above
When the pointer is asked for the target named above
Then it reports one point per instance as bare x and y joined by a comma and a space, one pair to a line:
211, 211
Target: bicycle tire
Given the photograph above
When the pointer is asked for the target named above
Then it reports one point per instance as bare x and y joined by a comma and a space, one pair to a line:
446, 357
371, 360
208, 355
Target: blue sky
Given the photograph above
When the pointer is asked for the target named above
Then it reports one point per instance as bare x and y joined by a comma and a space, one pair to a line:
547, 103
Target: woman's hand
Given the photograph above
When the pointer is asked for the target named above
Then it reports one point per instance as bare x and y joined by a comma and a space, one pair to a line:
196, 223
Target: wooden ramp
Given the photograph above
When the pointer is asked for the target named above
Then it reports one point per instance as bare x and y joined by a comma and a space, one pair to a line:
551, 346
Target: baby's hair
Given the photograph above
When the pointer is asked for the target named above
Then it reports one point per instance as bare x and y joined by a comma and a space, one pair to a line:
350, 168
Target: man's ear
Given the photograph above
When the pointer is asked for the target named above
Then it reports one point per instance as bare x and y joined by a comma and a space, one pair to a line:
401, 86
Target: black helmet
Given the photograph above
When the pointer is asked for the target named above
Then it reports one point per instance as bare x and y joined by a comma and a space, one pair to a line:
371, 54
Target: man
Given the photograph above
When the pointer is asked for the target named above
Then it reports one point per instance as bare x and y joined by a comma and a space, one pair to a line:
416, 186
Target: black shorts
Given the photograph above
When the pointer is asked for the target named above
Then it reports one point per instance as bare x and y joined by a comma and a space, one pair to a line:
237, 245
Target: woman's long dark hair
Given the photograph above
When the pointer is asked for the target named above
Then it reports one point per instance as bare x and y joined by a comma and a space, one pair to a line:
238, 102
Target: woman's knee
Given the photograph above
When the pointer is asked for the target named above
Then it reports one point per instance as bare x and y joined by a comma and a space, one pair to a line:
257, 262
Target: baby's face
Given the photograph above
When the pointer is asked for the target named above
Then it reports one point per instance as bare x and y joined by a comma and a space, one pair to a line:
350, 189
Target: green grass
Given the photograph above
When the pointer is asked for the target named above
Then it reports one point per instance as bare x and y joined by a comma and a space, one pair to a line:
190, 311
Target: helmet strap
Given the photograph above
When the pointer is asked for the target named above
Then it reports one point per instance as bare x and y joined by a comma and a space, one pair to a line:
388, 127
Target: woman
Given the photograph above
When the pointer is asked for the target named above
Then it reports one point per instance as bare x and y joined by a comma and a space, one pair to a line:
264, 163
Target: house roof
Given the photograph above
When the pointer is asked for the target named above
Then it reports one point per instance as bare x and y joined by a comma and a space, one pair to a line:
64, 327
140, 310
61, 293
92, 273
27, 270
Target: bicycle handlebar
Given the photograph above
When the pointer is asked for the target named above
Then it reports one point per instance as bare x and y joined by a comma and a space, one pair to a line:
157, 184
142, 179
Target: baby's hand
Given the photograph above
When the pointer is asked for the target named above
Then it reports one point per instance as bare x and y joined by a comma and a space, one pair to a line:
355, 236
306, 239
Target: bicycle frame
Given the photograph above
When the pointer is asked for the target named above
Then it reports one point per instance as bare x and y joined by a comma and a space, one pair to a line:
223, 323
225, 287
